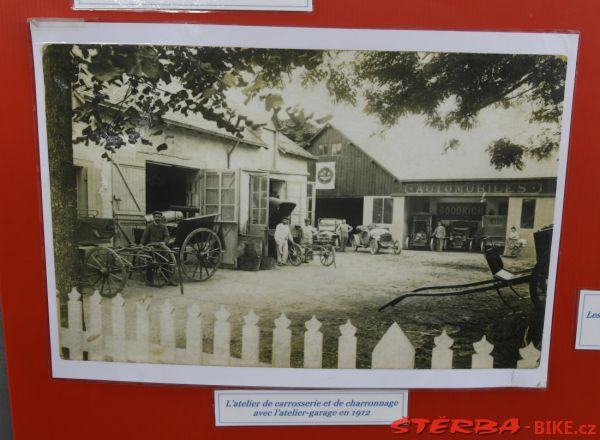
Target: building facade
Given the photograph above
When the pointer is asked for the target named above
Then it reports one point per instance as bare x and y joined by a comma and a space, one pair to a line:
203, 167
362, 187
366, 192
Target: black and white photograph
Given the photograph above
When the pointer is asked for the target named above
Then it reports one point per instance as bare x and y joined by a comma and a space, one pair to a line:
302, 207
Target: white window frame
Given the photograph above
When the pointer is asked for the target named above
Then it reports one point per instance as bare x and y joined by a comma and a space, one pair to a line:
220, 203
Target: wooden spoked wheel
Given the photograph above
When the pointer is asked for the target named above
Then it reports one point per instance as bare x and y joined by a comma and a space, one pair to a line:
162, 264
200, 254
327, 256
295, 255
105, 271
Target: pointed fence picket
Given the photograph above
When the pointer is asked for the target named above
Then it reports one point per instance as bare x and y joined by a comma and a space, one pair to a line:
101, 341
282, 342
347, 346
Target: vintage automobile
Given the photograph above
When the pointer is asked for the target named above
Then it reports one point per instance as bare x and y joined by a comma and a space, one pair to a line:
419, 236
326, 231
460, 234
492, 232
374, 237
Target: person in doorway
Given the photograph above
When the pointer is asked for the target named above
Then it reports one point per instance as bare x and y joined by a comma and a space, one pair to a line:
439, 235
282, 236
343, 231
308, 232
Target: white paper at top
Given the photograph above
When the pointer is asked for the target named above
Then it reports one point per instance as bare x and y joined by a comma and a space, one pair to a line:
588, 321
323, 407
253, 5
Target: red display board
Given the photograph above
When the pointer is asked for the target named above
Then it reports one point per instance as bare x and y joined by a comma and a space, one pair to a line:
43, 407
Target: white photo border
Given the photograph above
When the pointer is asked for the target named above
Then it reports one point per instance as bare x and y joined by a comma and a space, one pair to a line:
74, 32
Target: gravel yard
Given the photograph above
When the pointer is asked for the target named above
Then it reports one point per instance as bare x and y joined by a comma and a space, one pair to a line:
354, 290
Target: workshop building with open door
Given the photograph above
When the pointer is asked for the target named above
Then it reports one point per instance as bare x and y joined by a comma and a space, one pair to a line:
200, 169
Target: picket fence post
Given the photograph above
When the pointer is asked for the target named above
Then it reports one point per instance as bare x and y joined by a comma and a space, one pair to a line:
393, 350
167, 332
282, 342
530, 357
441, 356
482, 358
95, 333
75, 320
250, 340
313, 344
193, 336
347, 346
118, 329
222, 337
142, 328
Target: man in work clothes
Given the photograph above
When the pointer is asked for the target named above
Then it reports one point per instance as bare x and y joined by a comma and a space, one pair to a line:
156, 233
439, 235
282, 236
343, 231
307, 239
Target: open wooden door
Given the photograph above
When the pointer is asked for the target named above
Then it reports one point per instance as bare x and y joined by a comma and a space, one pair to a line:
129, 201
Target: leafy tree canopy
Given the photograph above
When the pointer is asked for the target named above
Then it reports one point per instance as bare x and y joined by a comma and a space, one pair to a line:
448, 89
451, 89
130, 87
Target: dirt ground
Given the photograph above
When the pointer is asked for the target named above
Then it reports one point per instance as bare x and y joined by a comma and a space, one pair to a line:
355, 289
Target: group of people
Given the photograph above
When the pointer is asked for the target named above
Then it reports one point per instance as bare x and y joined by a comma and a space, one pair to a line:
514, 243
283, 236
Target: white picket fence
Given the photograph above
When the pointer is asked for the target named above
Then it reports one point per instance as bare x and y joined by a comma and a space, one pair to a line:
393, 351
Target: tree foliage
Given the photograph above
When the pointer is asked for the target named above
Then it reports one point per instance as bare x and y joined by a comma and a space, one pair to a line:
448, 89
451, 89
126, 88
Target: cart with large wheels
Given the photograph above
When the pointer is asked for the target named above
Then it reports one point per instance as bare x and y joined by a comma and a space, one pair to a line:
194, 254
198, 247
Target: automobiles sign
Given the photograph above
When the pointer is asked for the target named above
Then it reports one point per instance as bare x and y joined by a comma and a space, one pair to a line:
325, 172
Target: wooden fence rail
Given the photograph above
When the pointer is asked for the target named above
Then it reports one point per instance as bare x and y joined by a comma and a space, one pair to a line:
110, 343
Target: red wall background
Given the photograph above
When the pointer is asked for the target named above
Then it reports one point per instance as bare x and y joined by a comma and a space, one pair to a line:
65, 409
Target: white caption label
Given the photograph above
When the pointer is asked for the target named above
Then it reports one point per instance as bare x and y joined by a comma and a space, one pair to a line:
252, 5
588, 325
334, 407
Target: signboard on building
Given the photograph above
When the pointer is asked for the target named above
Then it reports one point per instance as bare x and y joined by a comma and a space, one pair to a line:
504, 187
461, 210
325, 175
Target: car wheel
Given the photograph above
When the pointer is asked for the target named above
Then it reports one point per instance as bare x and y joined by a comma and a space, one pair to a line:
374, 246
397, 248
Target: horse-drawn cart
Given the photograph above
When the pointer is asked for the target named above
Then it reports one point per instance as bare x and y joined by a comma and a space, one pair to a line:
194, 253
535, 278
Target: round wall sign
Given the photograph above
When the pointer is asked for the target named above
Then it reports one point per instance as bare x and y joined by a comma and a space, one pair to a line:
325, 175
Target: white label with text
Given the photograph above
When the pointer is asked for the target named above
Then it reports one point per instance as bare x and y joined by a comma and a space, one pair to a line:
333, 407
253, 5
588, 325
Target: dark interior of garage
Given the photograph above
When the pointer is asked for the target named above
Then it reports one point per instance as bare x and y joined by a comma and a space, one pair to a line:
165, 186
350, 209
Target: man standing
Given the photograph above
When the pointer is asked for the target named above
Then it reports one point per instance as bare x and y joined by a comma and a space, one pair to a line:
439, 234
282, 235
343, 231
306, 241
156, 231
